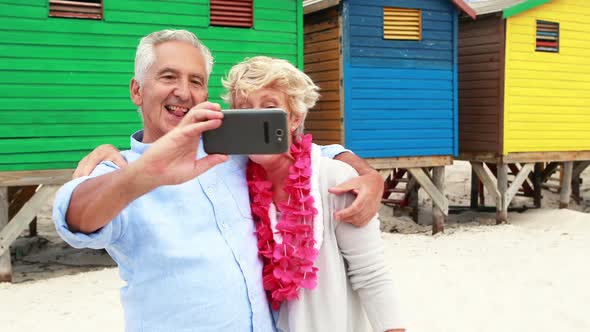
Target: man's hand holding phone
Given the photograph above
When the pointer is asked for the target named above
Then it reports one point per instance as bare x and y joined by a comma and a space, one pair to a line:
172, 159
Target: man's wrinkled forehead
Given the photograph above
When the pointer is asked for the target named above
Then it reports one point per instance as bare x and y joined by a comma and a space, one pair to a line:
178, 57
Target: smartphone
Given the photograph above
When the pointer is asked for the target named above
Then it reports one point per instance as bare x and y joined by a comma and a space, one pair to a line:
249, 131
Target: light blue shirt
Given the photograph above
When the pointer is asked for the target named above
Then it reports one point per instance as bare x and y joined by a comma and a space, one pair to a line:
187, 253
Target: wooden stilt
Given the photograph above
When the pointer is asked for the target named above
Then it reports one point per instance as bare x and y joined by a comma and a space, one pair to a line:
474, 189
501, 203
550, 168
438, 215
438, 198
578, 168
566, 185
482, 194
24, 207
486, 178
5, 264
17, 197
33, 228
520, 179
538, 179
22, 219
526, 187
500, 190
413, 198
426, 183
576, 189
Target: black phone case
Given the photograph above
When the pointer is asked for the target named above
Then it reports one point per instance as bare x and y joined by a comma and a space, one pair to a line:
249, 131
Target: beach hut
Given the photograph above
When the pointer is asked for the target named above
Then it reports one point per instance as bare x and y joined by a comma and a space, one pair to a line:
65, 68
388, 74
524, 77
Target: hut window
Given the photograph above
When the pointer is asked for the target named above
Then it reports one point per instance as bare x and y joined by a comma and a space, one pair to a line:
88, 9
402, 23
547, 36
231, 13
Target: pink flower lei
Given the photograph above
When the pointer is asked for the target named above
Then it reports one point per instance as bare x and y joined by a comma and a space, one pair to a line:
288, 266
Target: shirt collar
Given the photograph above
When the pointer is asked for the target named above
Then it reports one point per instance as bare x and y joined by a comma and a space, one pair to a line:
136, 142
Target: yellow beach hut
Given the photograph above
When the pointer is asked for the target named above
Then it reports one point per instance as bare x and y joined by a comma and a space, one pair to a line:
524, 94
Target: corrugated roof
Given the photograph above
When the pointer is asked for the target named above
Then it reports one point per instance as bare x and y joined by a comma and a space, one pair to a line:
492, 6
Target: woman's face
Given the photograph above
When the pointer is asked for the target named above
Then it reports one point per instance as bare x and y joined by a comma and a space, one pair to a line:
267, 98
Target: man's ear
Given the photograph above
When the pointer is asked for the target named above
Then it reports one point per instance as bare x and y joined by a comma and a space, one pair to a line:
135, 92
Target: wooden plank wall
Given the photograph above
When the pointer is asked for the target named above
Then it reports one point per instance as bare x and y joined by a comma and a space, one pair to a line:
400, 95
547, 104
322, 64
64, 82
481, 71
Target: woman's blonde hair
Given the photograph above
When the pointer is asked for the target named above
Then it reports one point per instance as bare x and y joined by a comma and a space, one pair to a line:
264, 72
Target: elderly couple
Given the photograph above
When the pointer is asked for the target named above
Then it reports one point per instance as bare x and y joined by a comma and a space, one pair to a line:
230, 243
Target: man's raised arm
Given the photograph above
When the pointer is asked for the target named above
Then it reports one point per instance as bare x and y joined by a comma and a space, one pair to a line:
170, 160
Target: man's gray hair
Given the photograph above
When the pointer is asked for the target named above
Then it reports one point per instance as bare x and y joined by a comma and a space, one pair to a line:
145, 55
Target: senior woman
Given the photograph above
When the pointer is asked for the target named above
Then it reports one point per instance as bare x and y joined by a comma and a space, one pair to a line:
320, 274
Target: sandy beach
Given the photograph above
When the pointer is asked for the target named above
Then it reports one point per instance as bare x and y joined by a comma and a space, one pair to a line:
528, 275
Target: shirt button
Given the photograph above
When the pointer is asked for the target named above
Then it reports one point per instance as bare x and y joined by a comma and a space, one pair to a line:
224, 225
210, 190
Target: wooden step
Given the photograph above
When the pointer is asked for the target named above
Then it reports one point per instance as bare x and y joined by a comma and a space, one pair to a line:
397, 190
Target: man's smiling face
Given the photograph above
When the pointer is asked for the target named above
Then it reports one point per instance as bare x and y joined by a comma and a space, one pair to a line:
176, 82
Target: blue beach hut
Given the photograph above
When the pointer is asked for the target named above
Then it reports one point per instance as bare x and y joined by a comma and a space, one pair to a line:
388, 73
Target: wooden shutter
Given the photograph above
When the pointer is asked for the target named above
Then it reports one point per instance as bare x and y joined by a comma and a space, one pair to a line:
231, 13
547, 36
402, 23
89, 9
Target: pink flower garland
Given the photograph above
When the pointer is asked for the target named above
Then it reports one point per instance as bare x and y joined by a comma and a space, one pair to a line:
288, 266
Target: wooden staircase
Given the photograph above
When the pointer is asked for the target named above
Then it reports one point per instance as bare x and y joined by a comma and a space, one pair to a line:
401, 191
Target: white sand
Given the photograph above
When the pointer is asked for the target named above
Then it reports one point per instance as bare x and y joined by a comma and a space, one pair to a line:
83, 302
530, 275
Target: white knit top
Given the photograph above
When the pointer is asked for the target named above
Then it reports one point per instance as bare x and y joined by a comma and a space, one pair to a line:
355, 291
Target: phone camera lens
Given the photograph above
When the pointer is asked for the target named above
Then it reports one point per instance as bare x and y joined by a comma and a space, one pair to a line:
279, 132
